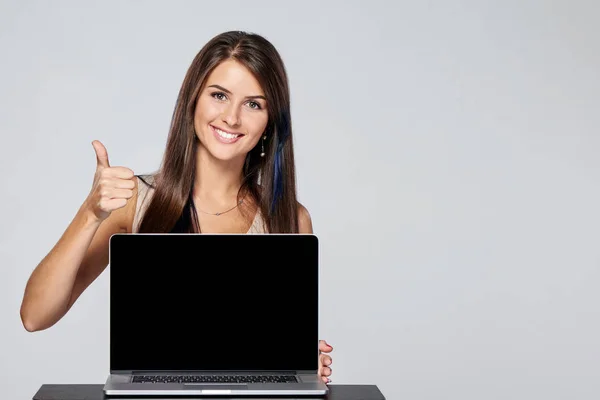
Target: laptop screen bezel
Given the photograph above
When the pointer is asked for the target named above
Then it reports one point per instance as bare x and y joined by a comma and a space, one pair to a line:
118, 242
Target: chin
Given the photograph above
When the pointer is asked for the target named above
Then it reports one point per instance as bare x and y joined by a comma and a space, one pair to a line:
224, 154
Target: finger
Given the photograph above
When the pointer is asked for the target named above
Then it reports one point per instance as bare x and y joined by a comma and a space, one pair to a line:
326, 371
117, 193
101, 154
119, 172
326, 360
324, 346
123, 183
326, 379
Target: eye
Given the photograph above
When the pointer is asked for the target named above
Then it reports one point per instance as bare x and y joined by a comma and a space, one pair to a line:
254, 105
219, 96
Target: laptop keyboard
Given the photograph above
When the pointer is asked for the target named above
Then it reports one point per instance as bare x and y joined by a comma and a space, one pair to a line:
214, 379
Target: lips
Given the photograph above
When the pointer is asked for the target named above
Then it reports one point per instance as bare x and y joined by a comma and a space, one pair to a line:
226, 136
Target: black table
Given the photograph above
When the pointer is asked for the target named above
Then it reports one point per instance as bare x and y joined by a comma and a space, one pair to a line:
94, 392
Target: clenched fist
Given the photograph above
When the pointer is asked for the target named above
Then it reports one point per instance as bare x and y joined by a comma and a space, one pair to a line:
112, 187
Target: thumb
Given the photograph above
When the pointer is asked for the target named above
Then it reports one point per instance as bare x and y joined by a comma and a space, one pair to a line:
101, 154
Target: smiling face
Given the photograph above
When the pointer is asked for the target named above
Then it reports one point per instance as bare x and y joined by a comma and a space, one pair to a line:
231, 112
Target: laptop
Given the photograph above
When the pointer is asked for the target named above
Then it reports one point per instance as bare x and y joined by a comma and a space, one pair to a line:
214, 314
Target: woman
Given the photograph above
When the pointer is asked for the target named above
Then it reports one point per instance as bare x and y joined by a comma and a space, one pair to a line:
228, 168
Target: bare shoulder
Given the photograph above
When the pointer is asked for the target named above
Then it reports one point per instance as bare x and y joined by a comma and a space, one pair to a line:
304, 220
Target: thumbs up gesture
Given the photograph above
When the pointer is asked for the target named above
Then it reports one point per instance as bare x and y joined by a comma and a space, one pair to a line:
112, 187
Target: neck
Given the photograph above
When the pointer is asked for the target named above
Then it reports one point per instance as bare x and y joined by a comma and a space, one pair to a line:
217, 180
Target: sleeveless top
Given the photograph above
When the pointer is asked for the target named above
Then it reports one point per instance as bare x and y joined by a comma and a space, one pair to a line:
145, 193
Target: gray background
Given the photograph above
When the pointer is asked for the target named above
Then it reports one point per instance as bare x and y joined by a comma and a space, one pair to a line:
447, 151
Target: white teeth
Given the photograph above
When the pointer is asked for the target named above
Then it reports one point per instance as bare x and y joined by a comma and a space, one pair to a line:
225, 135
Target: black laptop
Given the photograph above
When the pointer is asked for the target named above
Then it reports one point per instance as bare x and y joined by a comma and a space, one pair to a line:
214, 314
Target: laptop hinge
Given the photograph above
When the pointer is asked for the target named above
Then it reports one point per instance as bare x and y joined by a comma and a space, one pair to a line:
179, 372
120, 372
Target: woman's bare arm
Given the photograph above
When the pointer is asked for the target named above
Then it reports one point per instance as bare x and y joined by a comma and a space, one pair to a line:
81, 254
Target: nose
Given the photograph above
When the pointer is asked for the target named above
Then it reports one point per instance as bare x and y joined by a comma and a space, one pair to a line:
231, 115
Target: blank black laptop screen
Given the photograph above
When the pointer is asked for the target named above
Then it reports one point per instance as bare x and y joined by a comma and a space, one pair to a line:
213, 302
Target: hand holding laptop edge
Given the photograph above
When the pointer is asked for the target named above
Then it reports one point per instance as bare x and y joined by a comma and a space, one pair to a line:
325, 361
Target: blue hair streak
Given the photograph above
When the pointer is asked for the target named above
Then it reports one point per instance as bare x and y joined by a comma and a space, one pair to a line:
283, 133
277, 177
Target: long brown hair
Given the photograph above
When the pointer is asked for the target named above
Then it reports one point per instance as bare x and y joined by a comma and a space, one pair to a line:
270, 180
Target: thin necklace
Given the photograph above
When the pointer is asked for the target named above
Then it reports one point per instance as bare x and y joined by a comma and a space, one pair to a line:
222, 212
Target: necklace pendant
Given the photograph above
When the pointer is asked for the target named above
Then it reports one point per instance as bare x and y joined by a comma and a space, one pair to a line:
217, 214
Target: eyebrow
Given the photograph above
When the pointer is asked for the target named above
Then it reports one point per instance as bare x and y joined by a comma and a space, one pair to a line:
247, 97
